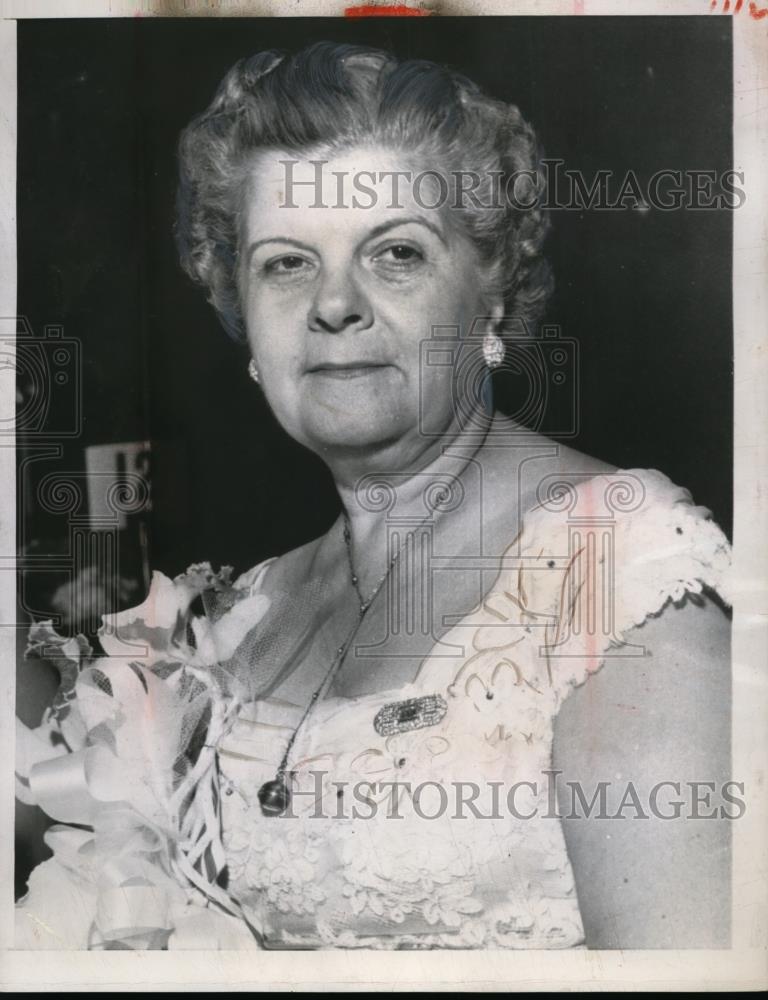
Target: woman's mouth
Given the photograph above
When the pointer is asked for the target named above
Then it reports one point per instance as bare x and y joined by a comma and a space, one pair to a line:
348, 369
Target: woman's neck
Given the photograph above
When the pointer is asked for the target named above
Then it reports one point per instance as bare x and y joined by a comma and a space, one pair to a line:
410, 491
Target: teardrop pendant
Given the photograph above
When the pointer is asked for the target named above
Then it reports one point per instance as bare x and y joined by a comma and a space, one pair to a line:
274, 797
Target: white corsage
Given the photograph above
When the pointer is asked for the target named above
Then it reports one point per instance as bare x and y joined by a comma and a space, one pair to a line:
125, 761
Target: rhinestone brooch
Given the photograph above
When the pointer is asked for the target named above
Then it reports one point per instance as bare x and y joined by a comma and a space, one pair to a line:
414, 713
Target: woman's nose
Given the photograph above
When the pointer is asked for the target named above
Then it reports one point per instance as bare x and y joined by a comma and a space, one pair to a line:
340, 304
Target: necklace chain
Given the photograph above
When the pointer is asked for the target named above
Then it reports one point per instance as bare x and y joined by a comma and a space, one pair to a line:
275, 796
365, 604
343, 648
278, 787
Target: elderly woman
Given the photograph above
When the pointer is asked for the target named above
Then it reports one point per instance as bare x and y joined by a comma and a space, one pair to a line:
471, 713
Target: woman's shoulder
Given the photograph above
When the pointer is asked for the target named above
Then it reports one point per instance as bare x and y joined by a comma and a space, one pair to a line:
596, 551
516, 468
649, 541
561, 495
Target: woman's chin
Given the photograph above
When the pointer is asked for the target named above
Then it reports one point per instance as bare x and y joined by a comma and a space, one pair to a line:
352, 444
332, 421
325, 436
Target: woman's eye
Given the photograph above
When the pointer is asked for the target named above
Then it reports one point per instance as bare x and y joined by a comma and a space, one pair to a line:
400, 255
288, 264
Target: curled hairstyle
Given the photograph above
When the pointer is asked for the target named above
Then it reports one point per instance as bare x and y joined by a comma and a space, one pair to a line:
330, 97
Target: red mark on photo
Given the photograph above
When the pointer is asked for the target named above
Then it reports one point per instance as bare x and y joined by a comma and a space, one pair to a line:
756, 10
386, 10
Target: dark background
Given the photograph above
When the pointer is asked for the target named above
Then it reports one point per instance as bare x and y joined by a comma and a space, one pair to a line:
646, 295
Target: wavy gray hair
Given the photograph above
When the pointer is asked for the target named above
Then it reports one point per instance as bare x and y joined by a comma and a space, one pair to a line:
331, 97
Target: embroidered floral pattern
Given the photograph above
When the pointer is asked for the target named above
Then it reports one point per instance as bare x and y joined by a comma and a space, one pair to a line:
286, 874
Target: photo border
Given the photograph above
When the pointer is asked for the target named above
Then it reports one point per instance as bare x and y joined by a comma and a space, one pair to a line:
743, 966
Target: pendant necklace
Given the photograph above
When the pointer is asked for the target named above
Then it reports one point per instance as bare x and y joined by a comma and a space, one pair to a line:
275, 796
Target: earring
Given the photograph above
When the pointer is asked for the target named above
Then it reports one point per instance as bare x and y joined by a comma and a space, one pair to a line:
253, 371
493, 350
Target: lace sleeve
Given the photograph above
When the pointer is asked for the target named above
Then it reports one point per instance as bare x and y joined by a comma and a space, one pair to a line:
593, 560
609, 553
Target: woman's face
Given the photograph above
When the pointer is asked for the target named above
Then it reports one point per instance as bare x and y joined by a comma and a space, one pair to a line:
337, 300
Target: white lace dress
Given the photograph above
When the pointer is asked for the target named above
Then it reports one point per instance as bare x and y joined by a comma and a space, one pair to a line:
473, 856
340, 870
